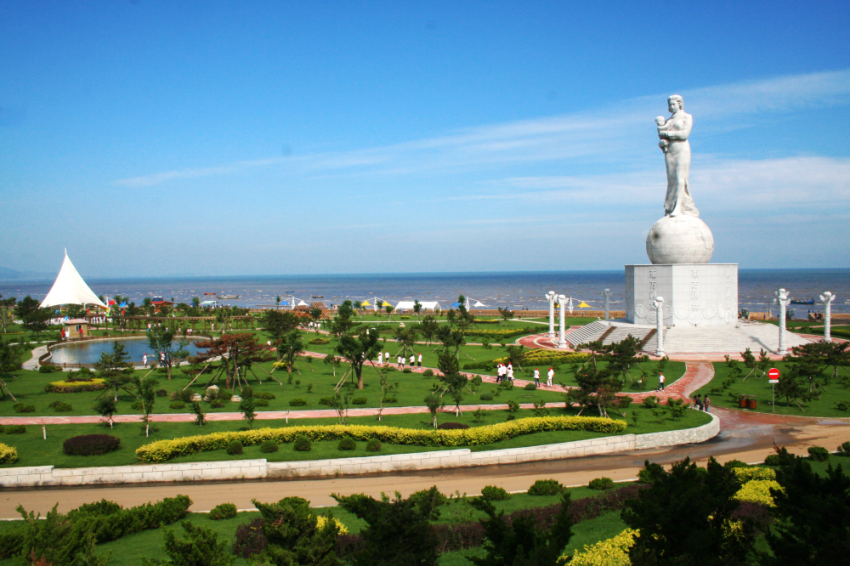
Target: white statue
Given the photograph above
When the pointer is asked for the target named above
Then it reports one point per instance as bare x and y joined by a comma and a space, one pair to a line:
674, 133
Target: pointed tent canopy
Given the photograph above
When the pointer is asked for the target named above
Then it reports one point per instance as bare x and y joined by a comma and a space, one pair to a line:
365, 304
70, 289
386, 304
583, 305
478, 305
302, 304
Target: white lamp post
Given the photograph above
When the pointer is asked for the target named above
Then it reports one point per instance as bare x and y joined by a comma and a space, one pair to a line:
607, 293
827, 299
551, 296
658, 302
783, 301
562, 341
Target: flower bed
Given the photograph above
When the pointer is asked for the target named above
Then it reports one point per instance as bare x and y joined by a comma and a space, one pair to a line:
74, 386
499, 333
163, 450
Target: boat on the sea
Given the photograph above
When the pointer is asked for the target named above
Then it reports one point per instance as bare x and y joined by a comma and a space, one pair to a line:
232, 297
209, 294
318, 296
802, 302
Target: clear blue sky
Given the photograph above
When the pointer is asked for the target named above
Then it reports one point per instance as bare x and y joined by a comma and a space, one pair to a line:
239, 138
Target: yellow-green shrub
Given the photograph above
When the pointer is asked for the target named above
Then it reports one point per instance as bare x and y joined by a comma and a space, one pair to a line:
74, 386
548, 357
758, 491
321, 521
163, 450
748, 474
8, 454
611, 552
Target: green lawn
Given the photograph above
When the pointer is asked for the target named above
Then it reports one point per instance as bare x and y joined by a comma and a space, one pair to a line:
33, 450
758, 387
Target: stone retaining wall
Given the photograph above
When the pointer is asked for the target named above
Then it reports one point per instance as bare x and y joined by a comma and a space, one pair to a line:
262, 469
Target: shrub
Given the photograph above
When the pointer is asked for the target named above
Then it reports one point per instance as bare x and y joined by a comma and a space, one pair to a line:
772, 460
359, 401
250, 538
297, 402
407, 370
844, 449
174, 396
373, 445
137, 405
72, 385
611, 552
163, 450
223, 511
319, 341
177, 405
14, 429
161, 393
530, 387
303, 444
452, 426
186, 395
752, 473
645, 476
326, 401
486, 397
650, 402
732, 464
428, 373
546, 487
261, 403
269, 446
346, 443
45, 369
21, 408
8, 454
758, 491
234, 447
389, 399
264, 395
60, 407
493, 493
843, 405
91, 445
601, 484
818, 453
623, 401
217, 403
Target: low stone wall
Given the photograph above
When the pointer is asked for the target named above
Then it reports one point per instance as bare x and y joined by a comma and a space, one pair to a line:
262, 469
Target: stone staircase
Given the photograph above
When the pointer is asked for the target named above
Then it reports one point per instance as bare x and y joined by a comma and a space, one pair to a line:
608, 331
712, 339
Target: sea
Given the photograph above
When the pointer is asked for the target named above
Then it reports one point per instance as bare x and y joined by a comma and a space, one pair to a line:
515, 290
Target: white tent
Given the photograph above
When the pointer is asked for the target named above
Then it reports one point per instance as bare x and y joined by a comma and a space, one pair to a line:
302, 304
70, 289
478, 305
426, 305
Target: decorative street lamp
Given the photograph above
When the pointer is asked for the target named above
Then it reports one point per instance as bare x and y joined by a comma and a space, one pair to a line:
783, 301
827, 299
562, 341
551, 297
658, 302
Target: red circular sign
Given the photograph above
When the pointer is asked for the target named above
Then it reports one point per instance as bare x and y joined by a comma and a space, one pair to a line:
773, 373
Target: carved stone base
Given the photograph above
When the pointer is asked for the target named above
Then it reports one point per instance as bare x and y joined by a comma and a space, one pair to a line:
695, 294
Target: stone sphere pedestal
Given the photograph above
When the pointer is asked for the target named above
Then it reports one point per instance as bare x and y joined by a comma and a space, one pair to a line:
679, 239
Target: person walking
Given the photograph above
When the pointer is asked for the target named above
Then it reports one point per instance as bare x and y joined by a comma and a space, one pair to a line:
660, 382
510, 373
145, 360
707, 404
419, 362
551, 376
537, 377
498, 373
697, 402
412, 360
380, 358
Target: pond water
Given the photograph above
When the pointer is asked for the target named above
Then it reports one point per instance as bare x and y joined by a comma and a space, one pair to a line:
89, 352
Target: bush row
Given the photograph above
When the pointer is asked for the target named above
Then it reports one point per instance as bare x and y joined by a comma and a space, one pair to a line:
74, 386
499, 333
91, 445
163, 450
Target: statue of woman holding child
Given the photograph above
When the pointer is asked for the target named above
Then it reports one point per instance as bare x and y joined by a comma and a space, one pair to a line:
674, 133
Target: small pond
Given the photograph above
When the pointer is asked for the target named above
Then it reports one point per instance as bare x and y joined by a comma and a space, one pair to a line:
89, 352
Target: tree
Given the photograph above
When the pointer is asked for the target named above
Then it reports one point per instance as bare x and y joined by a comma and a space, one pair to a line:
598, 386
200, 415
115, 370
34, 317
453, 382
196, 302
506, 314
397, 531
294, 535
357, 350
289, 348
406, 336
813, 524
685, 517
162, 339
237, 354
145, 389
342, 322
106, 408
199, 547
389, 309
247, 406
11, 357
434, 403
315, 313
417, 308
277, 301
6, 318
522, 542
429, 327
278, 324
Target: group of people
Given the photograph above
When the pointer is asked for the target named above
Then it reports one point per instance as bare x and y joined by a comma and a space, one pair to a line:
384, 358
504, 372
703, 404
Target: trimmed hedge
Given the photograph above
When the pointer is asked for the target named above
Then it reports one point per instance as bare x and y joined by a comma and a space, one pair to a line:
91, 445
164, 450
15, 429
546, 487
223, 511
74, 386
495, 493
500, 333
611, 552
8, 454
